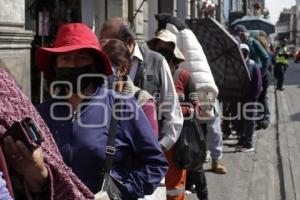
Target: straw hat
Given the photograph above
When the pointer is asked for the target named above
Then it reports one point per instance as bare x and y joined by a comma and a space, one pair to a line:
167, 36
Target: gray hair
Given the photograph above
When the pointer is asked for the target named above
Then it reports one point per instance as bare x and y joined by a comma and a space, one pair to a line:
119, 28
126, 32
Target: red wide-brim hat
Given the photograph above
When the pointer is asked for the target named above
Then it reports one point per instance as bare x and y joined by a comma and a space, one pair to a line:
70, 37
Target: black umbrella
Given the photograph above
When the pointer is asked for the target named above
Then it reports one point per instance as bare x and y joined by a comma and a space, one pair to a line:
255, 23
224, 57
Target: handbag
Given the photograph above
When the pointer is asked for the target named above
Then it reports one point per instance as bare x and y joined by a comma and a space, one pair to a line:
111, 188
190, 148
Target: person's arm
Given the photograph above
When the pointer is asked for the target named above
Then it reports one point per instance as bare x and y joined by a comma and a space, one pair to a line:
4, 194
257, 82
151, 165
186, 91
169, 110
263, 55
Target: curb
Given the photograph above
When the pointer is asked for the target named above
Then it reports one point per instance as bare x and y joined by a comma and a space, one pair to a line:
283, 134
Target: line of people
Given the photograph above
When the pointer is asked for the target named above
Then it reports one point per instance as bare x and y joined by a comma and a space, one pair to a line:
262, 61
149, 92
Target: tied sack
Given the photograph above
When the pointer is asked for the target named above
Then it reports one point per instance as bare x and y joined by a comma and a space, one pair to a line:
190, 148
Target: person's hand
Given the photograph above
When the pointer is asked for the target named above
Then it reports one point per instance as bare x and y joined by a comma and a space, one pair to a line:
30, 165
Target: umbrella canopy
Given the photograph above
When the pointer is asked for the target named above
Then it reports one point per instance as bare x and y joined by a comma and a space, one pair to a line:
224, 57
255, 23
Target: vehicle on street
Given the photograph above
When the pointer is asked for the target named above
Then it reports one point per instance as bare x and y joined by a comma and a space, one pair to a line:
297, 55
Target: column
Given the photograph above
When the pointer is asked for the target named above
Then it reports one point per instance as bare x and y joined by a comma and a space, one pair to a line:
15, 42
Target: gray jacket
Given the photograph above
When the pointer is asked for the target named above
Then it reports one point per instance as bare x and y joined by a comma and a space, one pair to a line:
154, 76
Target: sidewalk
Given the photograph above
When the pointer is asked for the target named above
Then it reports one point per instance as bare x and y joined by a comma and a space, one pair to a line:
253, 175
289, 140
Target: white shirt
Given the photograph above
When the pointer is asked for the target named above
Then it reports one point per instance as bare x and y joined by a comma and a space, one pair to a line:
135, 58
170, 107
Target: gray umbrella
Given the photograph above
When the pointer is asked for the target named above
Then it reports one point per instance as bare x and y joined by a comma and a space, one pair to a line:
255, 23
224, 57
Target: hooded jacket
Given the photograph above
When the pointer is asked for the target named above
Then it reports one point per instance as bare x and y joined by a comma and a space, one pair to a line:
255, 85
258, 54
82, 140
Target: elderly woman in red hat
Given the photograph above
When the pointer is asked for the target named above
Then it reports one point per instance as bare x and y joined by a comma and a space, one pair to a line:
80, 111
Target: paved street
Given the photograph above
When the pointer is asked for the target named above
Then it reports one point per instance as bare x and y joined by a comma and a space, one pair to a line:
289, 138
271, 172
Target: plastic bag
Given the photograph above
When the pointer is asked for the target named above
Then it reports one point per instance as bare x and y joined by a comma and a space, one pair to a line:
190, 148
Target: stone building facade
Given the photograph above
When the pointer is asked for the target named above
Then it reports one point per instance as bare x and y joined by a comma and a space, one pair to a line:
20, 25
15, 42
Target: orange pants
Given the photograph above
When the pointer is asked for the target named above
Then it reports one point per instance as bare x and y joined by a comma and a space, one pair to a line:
175, 179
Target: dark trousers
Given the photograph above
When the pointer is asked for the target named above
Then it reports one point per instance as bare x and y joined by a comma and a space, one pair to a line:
197, 180
279, 74
263, 99
229, 111
245, 125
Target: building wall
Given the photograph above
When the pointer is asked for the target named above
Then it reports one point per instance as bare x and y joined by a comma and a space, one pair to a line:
15, 42
288, 25
169, 6
145, 22
297, 42
152, 23
141, 19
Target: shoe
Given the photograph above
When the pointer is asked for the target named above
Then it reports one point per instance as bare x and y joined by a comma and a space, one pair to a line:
249, 149
239, 148
239, 144
218, 168
280, 89
258, 126
207, 158
265, 123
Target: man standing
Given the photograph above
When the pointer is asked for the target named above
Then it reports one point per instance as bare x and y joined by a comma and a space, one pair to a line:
281, 64
150, 71
165, 43
196, 64
245, 125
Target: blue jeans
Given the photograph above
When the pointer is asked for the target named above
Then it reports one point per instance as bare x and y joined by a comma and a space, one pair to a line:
214, 136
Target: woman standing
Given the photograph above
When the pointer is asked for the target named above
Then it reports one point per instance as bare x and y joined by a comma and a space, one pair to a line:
121, 81
80, 113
